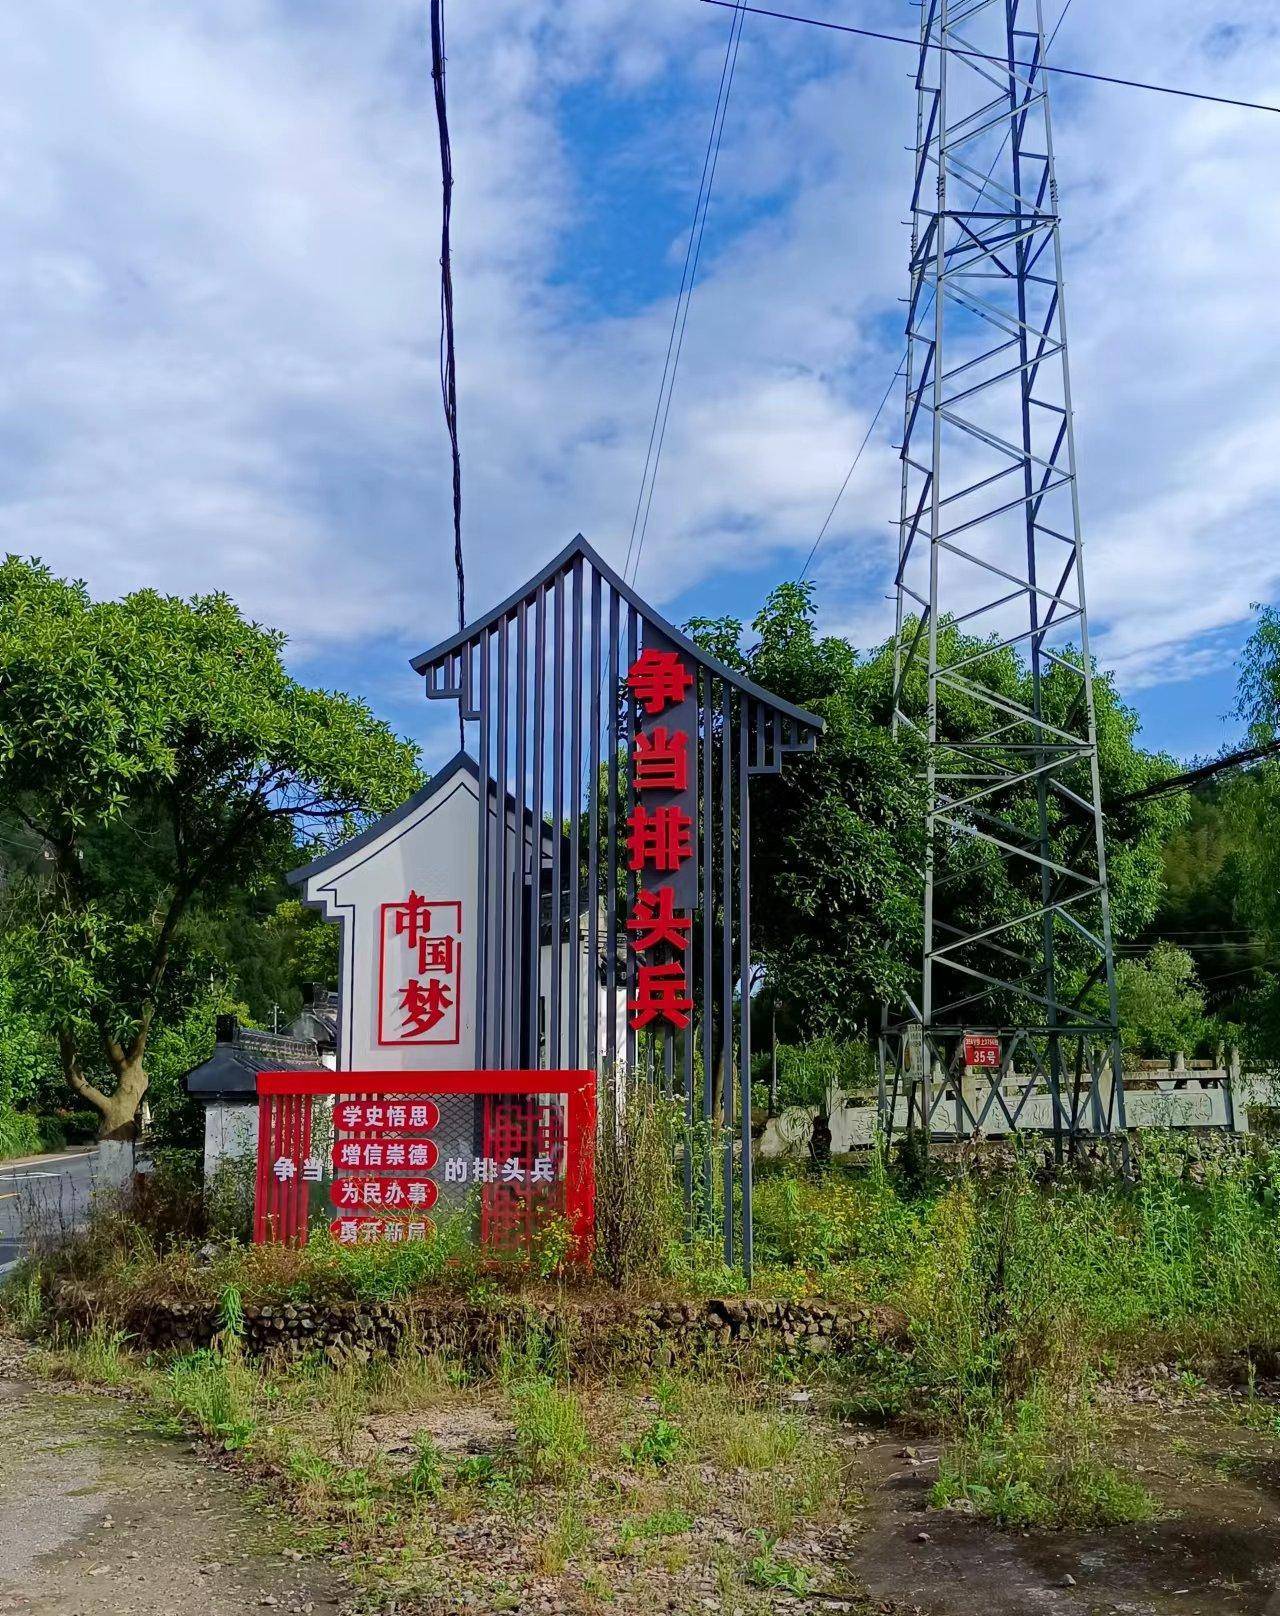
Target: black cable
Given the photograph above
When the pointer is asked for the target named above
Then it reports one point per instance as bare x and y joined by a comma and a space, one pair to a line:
1002, 61
680, 316
822, 531
448, 356
1198, 776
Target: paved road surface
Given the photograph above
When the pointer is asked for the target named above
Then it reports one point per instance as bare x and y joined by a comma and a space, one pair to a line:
99, 1516
55, 1188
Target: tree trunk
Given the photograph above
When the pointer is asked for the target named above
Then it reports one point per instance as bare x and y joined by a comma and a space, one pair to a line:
117, 1112
120, 1111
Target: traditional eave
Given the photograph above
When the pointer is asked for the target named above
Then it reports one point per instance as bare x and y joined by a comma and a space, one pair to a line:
460, 763
446, 667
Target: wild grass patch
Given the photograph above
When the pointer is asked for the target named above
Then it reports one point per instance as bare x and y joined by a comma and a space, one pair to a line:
552, 1438
95, 1356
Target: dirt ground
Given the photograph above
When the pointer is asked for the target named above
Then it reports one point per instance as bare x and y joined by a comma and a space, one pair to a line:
1213, 1551
100, 1515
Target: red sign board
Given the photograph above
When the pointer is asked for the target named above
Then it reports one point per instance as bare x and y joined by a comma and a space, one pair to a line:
366, 1231
357, 1155
507, 1152
420, 971
398, 1195
415, 1115
981, 1049
661, 835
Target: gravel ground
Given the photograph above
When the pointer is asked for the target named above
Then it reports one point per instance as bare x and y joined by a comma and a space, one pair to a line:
99, 1516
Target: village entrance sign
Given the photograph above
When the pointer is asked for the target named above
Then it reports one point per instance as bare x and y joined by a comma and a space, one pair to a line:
564, 908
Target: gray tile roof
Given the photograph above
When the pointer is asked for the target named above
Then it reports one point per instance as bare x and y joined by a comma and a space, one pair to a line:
231, 1072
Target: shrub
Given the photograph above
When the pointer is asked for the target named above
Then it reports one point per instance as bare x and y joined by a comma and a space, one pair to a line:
551, 1434
639, 1206
19, 1133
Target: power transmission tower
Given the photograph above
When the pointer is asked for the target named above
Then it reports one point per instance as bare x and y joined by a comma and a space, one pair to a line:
992, 671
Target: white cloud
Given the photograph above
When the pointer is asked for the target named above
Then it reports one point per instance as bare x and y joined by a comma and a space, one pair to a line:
218, 307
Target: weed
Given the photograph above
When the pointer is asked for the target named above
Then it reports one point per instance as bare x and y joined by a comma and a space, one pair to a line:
769, 1570
213, 1393
566, 1539
1038, 1466
229, 1337
551, 1433
657, 1445
639, 1217
93, 1356
659, 1523
22, 1299
554, 1244
412, 1379
482, 1471
425, 1478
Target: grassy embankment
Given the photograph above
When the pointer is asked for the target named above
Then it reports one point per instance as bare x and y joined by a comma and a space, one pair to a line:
1019, 1301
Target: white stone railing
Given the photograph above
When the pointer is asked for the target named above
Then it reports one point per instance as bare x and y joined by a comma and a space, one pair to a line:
1174, 1094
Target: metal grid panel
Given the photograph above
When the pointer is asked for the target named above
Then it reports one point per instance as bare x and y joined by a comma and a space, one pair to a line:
499, 1160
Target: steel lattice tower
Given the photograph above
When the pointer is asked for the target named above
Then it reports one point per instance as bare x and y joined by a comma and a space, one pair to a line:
992, 669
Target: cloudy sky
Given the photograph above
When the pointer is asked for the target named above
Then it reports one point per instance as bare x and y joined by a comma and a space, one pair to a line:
219, 314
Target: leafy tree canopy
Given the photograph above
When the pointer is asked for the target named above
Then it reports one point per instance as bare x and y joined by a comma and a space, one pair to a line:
1162, 1005
837, 907
1254, 810
159, 756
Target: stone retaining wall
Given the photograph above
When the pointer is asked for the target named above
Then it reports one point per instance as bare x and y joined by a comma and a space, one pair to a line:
590, 1333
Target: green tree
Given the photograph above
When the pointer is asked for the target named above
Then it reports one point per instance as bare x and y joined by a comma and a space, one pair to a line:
835, 910
28, 1060
837, 900
1255, 813
267, 946
162, 759
1162, 1005
1205, 908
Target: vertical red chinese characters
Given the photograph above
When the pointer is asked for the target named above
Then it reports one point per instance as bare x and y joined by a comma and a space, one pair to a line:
661, 838
420, 971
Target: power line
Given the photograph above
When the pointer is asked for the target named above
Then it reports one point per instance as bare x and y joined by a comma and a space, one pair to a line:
1198, 776
448, 356
848, 474
981, 192
1002, 61
680, 317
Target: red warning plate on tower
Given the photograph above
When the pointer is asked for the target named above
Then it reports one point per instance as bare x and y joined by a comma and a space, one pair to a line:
981, 1049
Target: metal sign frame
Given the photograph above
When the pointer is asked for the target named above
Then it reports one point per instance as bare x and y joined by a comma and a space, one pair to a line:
286, 1127
542, 684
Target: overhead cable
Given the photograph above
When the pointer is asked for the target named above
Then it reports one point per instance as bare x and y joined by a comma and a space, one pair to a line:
448, 356
1002, 61
680, 317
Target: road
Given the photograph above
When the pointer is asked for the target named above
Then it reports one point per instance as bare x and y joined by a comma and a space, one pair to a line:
99, 1515
52, 1191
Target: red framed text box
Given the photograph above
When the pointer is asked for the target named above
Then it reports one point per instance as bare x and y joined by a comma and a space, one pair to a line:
518, 1146
420, 972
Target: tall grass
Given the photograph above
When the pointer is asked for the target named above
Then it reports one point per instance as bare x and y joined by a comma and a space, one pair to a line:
1012, 1291
638, 1216
20, 1133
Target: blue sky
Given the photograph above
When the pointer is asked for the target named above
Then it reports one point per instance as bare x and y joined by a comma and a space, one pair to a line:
219, 315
